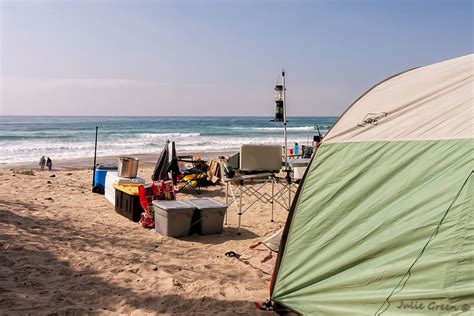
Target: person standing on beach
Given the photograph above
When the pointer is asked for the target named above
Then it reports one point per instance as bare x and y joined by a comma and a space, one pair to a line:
49, 163
42, 163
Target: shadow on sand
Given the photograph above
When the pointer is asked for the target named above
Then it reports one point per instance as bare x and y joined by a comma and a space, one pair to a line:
49, 284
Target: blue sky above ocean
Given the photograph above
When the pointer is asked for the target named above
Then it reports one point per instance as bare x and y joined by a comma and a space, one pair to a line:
206, 57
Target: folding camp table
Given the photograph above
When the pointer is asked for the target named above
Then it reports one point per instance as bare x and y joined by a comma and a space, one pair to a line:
252, 185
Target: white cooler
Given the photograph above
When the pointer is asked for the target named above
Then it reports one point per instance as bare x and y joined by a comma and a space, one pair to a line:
112, 178
299, 167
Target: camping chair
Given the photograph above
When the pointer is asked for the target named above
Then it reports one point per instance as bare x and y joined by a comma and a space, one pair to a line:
192, 178
166, 163
168, 167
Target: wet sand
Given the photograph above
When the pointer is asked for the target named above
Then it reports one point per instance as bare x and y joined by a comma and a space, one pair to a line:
88, 163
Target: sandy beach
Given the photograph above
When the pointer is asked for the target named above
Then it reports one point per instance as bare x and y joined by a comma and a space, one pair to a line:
64, 250
355, 115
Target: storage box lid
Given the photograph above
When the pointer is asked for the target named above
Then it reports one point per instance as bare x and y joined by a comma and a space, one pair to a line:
131, 189
106, 166
173, 205
113, 177
203, 204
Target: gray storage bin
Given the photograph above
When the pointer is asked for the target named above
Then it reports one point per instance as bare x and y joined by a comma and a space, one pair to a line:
211, 215
173, 218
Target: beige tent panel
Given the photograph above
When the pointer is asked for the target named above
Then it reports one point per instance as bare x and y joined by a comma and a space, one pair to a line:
427, 103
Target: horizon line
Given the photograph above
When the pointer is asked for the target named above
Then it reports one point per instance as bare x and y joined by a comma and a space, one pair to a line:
27, 115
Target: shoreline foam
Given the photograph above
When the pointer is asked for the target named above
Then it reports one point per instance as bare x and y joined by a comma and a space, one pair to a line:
88, 163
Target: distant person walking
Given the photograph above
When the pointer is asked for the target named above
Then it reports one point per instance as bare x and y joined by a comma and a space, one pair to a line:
42, 163
49, 164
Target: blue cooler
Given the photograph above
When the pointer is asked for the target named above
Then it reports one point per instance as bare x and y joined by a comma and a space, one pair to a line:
100, 174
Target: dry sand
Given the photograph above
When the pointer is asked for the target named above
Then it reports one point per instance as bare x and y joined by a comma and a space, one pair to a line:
64, 250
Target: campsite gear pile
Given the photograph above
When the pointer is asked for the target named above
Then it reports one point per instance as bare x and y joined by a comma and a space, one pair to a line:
385, 212
177, 218
154, 205
170, 166
120, 190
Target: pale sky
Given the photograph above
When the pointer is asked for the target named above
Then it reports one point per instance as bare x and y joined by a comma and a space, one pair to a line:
163, 58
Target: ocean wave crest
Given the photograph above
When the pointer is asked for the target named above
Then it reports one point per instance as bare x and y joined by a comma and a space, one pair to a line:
167, 135
278, 129
297, 128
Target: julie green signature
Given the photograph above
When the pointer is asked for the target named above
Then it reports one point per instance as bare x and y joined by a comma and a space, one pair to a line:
433, 306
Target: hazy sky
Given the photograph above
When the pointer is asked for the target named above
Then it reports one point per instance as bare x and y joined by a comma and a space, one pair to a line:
215, 57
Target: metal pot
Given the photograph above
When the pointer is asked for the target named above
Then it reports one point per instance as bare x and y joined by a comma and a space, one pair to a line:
127, 167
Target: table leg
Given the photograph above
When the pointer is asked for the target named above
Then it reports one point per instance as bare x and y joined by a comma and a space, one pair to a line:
289, 196
226, 200
240, 208
273, 193
227, 193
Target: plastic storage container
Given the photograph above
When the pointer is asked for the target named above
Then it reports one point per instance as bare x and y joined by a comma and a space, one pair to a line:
298, 172
211, 215
173, 218
112, 178
101, 170
299, 167
127, 201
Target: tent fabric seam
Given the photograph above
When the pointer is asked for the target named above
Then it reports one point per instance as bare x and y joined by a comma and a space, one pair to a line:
432, 236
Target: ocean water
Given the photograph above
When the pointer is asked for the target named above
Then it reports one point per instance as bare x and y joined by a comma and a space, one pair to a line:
26, 139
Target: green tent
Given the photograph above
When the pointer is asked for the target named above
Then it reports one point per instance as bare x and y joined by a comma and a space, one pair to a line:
383, 223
